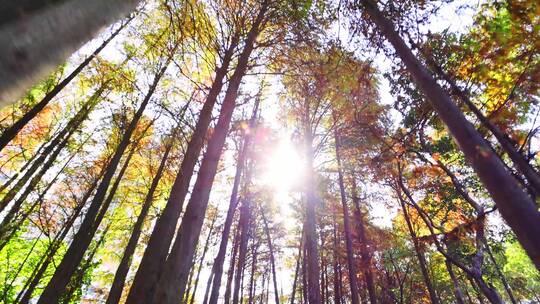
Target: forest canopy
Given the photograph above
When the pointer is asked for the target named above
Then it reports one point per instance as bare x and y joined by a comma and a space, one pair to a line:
269, 151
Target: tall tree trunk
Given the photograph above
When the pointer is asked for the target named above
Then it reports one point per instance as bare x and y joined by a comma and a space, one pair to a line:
337, 276
252, 279
201, 263
48, 152
272, 258
83, 238
244, 220
499, 272
457, 290
521, 163
297, 268
365, 254
34, 45
172, 282
158, 246
123, 268
10, 133
217, 268
230, 273
13, 220
30, 286
515, 206
346, 225
419, 254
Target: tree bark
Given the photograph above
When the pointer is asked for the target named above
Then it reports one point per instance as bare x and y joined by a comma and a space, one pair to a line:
172, 282
365, 254
297, 269
158, 246
245, 218
217, 268
272, 258
515, 206
457, 290
230, 273
10, 133
31, 47
201, 263
419, 254
346, 225
83, 238
123, 268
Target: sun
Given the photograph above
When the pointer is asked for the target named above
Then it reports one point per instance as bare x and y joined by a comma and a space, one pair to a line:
284, 167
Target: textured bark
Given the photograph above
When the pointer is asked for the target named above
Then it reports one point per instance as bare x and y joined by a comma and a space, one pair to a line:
217, 268
14, 129
95, 213
162, 235
123, 268
31, 47
346, 224
172, 282
365, 254
515, 206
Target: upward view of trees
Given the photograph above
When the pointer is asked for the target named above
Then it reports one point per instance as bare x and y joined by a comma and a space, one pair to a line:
269, 151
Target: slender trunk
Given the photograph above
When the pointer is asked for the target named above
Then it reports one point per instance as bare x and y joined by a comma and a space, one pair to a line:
26, 294
253, 270
13, 220
346, 225
304, 277
365, 254
457, 290
83, 238
297, 268
123, 268
48, 154
201, 263
77, 280
158, 246
207, 289
172, 282
10, 133
337, 284
217, 268
245, 215
33, 46
521, 163
190, 280
500, 273
419, 254
230, 273
515, 206
272, 258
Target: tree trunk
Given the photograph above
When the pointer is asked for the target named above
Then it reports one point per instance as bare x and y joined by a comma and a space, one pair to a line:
10, 133
337, 279
230, 273
419, 254
217, 268
83, 238
158, 246
60, 139
500, 273
252, 279
245, 216
272, 258
365, 254
515, 206
123, 268
346, 225
26, 294
297, 269
455, 282
201, 263
36, 44
172, 282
